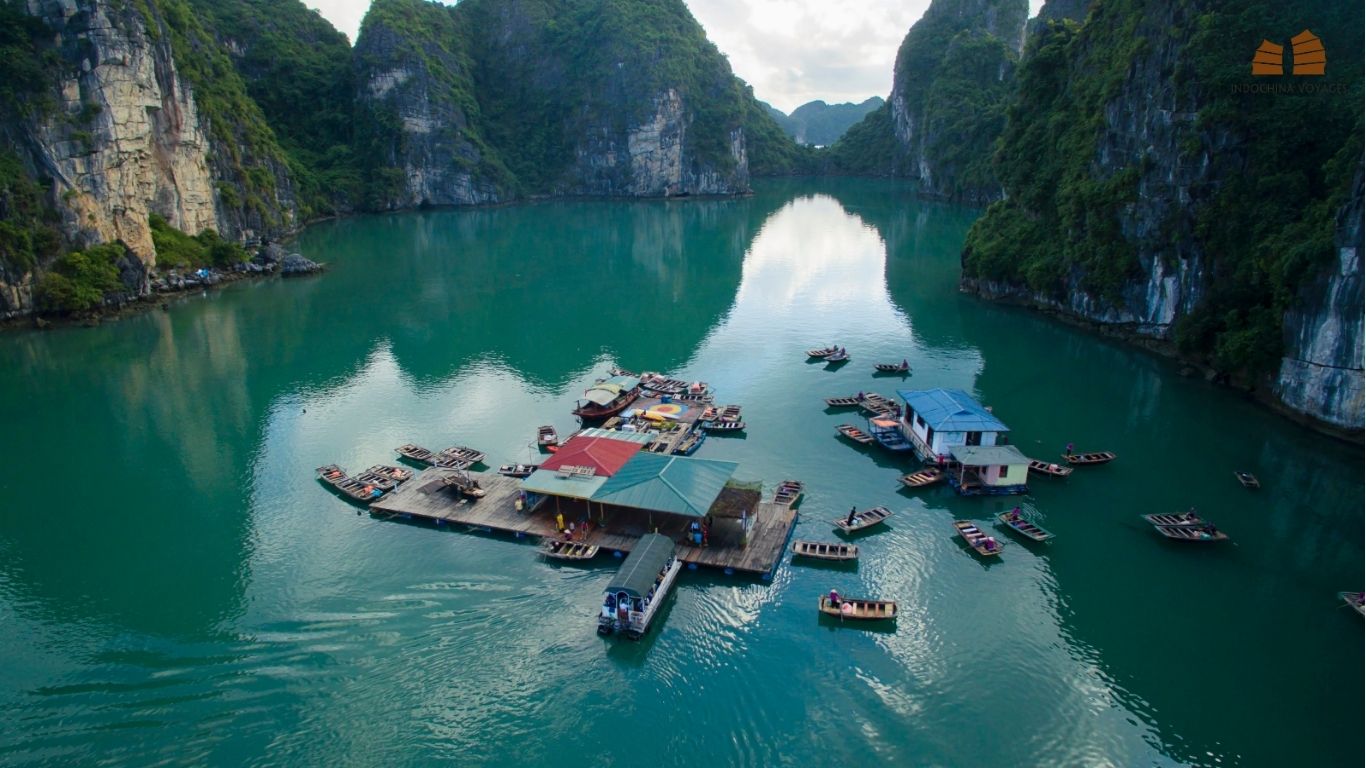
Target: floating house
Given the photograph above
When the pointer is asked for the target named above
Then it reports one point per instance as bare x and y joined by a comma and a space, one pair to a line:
988, 470
936, 421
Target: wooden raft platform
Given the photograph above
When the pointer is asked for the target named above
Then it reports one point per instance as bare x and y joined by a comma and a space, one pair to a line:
427, 498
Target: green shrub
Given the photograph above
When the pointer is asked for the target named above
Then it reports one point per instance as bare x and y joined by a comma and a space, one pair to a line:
79, 280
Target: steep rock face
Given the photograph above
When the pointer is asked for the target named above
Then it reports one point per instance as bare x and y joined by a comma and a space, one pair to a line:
1321, 372
949, 88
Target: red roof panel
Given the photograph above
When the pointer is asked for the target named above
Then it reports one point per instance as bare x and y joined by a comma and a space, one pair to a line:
604, 455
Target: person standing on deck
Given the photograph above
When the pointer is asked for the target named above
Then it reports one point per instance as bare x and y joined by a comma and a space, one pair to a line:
1069, 449
850, 519
559, 521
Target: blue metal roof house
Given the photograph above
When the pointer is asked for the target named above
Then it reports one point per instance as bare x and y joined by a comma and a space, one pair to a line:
937, 420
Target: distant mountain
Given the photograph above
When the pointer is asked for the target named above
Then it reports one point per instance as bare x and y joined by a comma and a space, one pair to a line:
820, 124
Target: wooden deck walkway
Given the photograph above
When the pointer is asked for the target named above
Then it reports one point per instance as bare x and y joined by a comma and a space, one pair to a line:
425, 497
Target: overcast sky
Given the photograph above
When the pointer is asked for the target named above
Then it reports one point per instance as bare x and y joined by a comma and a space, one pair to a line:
791, 51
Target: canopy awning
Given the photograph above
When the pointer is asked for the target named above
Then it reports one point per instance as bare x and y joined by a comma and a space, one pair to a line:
642, 567
548, 482
988, 455
602, 394
674, 484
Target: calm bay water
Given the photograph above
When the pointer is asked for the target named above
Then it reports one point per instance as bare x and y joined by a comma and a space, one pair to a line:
175, 587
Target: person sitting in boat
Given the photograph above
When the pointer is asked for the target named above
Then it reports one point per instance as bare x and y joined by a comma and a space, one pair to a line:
834, 597
989, 544
905, 364
1015, 514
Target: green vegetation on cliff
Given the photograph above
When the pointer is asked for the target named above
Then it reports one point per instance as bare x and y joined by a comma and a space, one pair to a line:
177, 250
79, 280
28, 225
869, 148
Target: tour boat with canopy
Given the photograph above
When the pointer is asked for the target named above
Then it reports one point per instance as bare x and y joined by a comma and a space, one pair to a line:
634, 595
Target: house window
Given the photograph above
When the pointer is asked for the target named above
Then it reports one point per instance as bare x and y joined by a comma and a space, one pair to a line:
974, 438
919, 422
1005, 470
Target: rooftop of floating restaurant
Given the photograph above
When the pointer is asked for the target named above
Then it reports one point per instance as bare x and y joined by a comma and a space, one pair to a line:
677, 485
951, 410
604, 451
988, 455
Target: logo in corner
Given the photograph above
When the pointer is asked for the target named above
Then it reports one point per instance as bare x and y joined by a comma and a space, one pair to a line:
1306, 51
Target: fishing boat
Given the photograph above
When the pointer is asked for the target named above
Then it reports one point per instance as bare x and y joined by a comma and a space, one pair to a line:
608, 398
888, 435
377, 480
397, 474
842, 402
840, 356
633, 596
854, 433
1016, 522
923, 477
518, 470
619, 372
689, 445
661, 385
984, 545
724, 426
1096, 457
788, 492
559, 549
901, 367
1188, 533
415, 453
689, 397
466, 485
859, 608
362, 492
876, 404
1184, 520
821, 550
1248, 479
461, 452
445, 460
1053, 470
1355, 599
822, 352
331, 474
546, 436
864, 519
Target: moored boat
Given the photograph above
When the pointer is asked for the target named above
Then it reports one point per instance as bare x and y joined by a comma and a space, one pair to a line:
922, 478
445, 460
518, 470
981, 543
397, 474
546, 436
619, 372
1054, 470
689, 445
1248, 479
331, 474
888, 435
858, 608
466, 485
840, 356
1189, 533
876, 404
842, 402
633, 596
1184, 520
362, 492
377, 480
1355, 599
901, 367
608, 398
860, 520
822, 550
461, 452
788, 492
1016, 522
415, 453
854, 433
559, 549
822, 352
724, 426
1095, 457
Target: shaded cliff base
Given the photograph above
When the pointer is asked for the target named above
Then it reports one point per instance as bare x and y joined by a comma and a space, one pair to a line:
1130, 333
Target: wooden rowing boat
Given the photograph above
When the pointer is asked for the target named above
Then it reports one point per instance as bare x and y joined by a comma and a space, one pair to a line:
1187, 533
559, 549
518, 470
331, 474
466, 485
864, 519
621, 372
414, 452
1248, 479
902, 367
821, 550
1096, 457
377, 480
461, 452
445, 460
842, 402
1015, 522
397, 474
859, 608
546, 436
1185, 520
788, 492
854, 433
837, 357
724, 426
1049, 469
981, 543
876, 404
1355, 599
923, 478
693, 397
823, 352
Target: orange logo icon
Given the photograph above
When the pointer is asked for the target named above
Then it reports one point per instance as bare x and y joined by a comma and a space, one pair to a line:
1306, 51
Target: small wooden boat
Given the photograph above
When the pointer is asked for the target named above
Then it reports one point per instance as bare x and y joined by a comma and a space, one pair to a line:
902, 367
1017, 523
518, 470
620, 372
709, 414
825, 551
837, 357
690, 397
377, 480
923, 478
854, 433
447, 461
546, 436
1187, 533
461, 452
842, 402
466, 485
859, 608
363, 492
661, 385
397, 474
1185, 520
788, 492
1248, 479
567, 550
728, 413
724, 426
1355, 599
331, 474
864, 519
689, 445
1049, 469
415, 453
822, 352
1096, 457
984, 545
876, 404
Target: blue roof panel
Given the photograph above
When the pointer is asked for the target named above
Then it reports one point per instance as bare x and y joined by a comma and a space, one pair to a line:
951, 410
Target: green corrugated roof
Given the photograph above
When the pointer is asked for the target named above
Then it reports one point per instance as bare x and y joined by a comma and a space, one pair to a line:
549, 482
987, 455
675, 484
646, 560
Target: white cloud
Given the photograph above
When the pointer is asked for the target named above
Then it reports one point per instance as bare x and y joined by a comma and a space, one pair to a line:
791, 51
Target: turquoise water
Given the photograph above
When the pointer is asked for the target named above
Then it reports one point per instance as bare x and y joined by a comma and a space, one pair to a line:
175, 587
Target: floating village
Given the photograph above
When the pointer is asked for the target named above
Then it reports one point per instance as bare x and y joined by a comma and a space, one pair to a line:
629, 482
